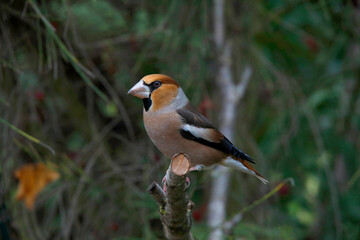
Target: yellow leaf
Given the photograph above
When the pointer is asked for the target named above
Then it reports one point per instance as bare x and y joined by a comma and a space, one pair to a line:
32, 179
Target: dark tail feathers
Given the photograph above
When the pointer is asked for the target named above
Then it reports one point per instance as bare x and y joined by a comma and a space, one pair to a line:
239, 154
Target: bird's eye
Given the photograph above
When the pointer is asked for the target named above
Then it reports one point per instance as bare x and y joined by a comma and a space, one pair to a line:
157, 84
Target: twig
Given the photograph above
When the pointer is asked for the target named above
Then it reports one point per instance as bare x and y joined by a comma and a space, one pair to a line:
230, 224
175, 207
353, 179
29, 137
78, 67
158, 194
74, 201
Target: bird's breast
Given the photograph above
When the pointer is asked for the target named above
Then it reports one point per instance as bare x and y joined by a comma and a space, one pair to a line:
163, 130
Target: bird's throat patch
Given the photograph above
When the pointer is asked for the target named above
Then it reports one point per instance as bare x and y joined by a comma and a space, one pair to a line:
147, 103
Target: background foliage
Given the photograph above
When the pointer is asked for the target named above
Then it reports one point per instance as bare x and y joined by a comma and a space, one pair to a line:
65, 70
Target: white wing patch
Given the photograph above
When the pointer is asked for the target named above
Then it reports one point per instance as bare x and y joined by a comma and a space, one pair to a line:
198, 132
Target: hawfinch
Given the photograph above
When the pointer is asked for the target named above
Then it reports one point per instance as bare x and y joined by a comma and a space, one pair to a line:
175, 126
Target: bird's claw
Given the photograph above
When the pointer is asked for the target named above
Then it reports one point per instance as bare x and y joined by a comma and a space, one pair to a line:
164, 183
197, 168
187, 182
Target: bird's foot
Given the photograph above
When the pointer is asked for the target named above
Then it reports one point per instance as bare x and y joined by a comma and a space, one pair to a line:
187, 182
197, 168
164, 183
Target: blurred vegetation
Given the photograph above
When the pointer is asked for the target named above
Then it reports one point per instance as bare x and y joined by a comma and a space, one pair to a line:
65, 70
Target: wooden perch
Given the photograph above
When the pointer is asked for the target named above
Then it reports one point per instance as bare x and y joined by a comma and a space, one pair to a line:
175, 207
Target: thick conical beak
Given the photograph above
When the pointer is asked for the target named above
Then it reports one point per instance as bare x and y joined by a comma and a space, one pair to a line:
140, 90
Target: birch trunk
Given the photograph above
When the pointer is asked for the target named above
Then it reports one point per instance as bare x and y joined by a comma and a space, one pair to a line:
231, 94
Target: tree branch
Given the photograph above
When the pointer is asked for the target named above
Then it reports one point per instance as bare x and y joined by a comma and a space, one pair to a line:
230, 224
242, 85
175, 207
157, 193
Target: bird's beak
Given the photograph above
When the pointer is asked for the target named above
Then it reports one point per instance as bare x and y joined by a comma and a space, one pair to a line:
140, 90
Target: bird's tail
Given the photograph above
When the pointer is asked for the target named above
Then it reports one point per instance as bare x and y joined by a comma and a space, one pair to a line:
243, 166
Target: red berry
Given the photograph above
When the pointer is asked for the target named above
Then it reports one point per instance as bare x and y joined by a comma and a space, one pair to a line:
39, 95
114, 226
55, 24
157, 157
199, 213
205, 105
311, 44
196, 214
284, 190
72, 155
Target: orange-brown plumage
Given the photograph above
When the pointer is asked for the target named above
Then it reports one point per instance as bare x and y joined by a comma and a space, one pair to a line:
160, 77
175, 126
162, 98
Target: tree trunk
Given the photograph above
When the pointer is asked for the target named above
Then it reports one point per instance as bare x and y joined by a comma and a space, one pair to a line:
231, 94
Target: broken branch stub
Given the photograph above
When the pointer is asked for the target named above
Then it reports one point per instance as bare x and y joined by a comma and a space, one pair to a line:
158, 194
180, 164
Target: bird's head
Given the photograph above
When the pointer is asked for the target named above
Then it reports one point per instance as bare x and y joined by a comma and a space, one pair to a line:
158, 91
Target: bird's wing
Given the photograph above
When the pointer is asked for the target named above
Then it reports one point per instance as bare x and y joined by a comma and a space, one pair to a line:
197, 128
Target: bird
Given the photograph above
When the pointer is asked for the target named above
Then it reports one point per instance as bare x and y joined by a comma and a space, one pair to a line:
175, 126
